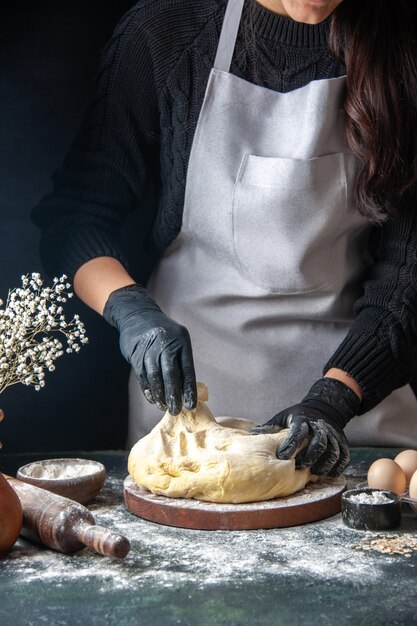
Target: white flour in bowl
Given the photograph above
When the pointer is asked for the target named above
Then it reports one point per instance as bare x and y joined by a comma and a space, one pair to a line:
375, 497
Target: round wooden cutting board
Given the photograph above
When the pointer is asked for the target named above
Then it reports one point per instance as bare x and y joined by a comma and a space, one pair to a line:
316, 501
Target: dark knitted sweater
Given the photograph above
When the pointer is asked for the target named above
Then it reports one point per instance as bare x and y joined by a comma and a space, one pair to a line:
138, 133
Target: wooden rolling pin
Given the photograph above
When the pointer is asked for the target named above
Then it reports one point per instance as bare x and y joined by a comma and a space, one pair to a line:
64, 525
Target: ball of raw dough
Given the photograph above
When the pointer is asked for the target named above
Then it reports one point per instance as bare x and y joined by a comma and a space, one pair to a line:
191, 455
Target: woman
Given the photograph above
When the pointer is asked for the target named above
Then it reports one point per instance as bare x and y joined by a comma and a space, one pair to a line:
279, 136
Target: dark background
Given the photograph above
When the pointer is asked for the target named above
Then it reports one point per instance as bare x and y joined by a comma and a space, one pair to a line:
49, 54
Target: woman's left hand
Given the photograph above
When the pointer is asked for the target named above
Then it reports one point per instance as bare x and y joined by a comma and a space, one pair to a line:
316, 437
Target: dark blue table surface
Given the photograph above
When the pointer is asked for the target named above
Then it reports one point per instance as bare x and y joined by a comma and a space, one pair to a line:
317, 573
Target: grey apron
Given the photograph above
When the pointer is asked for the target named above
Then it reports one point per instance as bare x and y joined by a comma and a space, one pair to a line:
269, 260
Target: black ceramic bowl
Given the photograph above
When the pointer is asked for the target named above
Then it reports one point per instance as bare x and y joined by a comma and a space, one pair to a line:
361, 509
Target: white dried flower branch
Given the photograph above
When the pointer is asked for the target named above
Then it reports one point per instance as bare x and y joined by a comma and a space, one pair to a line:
29, 322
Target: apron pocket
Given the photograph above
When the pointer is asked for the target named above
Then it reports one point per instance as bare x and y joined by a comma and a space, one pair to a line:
287, 215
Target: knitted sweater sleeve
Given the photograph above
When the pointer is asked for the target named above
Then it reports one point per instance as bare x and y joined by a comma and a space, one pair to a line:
379, 351
111, 162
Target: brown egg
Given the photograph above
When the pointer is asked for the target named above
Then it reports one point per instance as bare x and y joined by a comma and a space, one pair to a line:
407, 460
413, 487
387, 474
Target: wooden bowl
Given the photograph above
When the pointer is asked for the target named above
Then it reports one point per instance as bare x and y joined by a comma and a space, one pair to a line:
76, 479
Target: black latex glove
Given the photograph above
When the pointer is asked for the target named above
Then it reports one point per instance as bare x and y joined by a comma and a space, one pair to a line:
157, 347
320, 418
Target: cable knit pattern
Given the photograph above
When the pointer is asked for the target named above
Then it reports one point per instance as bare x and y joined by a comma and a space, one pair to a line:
138, 132
379, 352
140, 124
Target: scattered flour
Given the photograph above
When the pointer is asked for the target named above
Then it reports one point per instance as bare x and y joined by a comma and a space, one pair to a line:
172, 557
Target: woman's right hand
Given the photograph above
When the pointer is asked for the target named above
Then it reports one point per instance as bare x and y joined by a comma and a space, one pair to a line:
157, 347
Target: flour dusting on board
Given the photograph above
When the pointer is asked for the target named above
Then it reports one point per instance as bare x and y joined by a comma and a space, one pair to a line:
173, 557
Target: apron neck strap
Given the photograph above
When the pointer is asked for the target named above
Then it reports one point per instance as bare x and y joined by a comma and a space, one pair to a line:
228, 35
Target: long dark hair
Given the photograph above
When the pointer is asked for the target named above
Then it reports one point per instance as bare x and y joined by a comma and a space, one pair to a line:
376, 40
